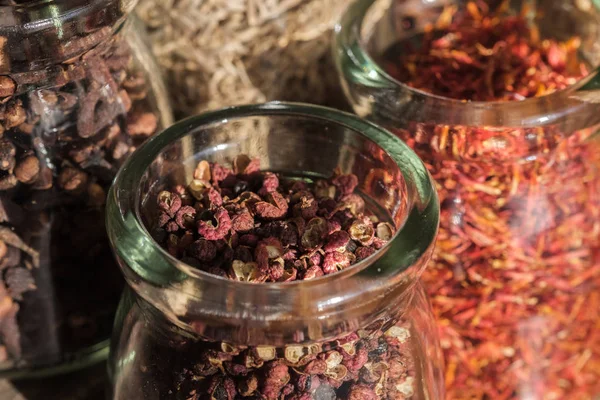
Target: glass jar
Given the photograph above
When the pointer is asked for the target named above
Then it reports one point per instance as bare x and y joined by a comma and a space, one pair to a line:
78, 92
184, 333
516, 277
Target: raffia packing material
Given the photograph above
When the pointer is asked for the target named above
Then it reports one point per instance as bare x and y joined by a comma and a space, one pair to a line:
218, 53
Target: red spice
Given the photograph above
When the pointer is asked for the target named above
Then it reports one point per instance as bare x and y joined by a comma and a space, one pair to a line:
477, 55
516, 279
256, 226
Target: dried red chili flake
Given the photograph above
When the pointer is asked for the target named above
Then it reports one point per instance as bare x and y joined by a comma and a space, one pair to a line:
479, 55
515, 282
270, 232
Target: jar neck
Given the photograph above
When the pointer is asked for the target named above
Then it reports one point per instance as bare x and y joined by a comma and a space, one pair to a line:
44, 34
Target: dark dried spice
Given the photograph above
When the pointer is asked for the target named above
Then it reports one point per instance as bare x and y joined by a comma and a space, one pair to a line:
7, 86
222, 388
7, 154
337, 241
315, 233
235, 369
270, 183
345, 184
14, 115
219, 173
172, 226
246, 272
218, 230
18, 281
28, 169
276, 377
266, 250
337, 261
242, 253
364, 252
12, 258
306, 206
214, 198
362, 231
203, 250
240, 163
72, 179
248, 386
324, 190
362, 392
352, 202
186, 240
169, 202
313, 272
185, 217
282, 230
252, 239
8, 182
9, 328
140, 124
275, 207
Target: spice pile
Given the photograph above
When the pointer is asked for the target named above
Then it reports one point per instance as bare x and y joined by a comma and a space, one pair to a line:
255, 226
377, 367
60, 147
516, 280
220, 52
481, 56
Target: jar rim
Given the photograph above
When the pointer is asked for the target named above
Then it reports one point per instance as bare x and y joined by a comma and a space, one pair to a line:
393, 265
531, 111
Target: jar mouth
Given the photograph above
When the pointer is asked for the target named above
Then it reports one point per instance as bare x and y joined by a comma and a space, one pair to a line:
351, 39
393, 269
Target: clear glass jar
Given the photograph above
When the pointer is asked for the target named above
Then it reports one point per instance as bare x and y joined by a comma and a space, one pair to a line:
78, 92
183, 333
516, 277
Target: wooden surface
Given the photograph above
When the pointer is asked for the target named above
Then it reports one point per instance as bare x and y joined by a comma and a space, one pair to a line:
89, 384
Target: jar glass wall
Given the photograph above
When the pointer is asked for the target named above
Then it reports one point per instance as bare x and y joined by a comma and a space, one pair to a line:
516, 274
78, 93
182, 332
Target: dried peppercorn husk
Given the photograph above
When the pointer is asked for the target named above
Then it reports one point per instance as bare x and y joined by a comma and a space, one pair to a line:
71, 111
380, 365
221, 52
256, 226
516, 273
